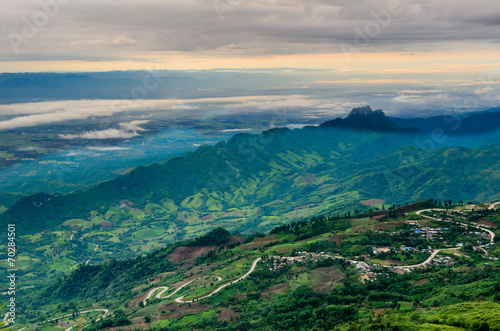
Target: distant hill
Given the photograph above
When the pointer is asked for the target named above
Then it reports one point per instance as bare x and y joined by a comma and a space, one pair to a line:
51, 86
276, 173
480, 123
365, 119
324, 273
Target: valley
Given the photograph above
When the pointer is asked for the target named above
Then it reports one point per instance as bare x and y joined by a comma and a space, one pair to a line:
326, 254
251, 183
232, 165
268, 214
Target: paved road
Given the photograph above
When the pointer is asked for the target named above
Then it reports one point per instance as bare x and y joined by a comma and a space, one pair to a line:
106, 312
254, 264
423, 263
493, 205
158, 295
492, 235
81, 312
164, 289
433, 209
153, 290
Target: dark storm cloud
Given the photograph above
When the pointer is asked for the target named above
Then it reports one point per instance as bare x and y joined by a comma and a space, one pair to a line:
117, 29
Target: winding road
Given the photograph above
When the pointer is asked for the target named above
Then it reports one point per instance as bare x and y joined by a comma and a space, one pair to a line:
254, 264
106, 313
164, 289
493, 205
434, 253
153, 290
492, 235
180, 299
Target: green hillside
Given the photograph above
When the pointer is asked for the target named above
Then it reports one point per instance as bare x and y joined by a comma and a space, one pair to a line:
321, 274
250, 184
278, 172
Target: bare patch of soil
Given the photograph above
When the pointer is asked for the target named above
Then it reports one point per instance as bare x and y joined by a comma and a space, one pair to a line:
226, 314
338, 238
187, 253
384, 226
279, 288
258, 242
379, 311
372, 202
176, 310
487, 224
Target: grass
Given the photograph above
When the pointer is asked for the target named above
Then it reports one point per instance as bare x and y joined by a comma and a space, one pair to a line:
153, 209
301, 280
326, 275
63, 264
188, 321
77, 222
470, 313
26, 262
227, 293
147, 233
379, 261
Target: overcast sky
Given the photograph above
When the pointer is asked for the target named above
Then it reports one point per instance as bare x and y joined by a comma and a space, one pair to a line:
386, 35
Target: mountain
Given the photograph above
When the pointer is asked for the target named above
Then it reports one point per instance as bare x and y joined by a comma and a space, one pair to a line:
469, 124
324, 273
35, 87
276, 176
249, 184
364, 118
275, 171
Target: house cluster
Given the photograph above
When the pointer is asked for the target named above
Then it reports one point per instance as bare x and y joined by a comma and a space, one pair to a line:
366, 271
377, 250
277, 262
441, 260
427, 231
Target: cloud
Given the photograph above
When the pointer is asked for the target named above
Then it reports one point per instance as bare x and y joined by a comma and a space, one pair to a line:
45, 113
95, 30
418, 91
458, 100
108, 149
129, 130
371, 81
235, 130
103, 134
134, 125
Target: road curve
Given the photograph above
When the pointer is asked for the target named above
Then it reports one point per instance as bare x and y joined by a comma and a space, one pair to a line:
158, 295
80, 312
492, 235
153, 290
432, 209
106, 314
429, 259
254, 264
493, 205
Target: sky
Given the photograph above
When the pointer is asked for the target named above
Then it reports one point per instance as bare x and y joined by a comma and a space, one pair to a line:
413, 57
385, 37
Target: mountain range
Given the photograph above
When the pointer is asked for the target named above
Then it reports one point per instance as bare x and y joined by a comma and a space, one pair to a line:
253, 182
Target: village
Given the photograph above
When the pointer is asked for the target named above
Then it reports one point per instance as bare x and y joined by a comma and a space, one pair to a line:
441, 245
